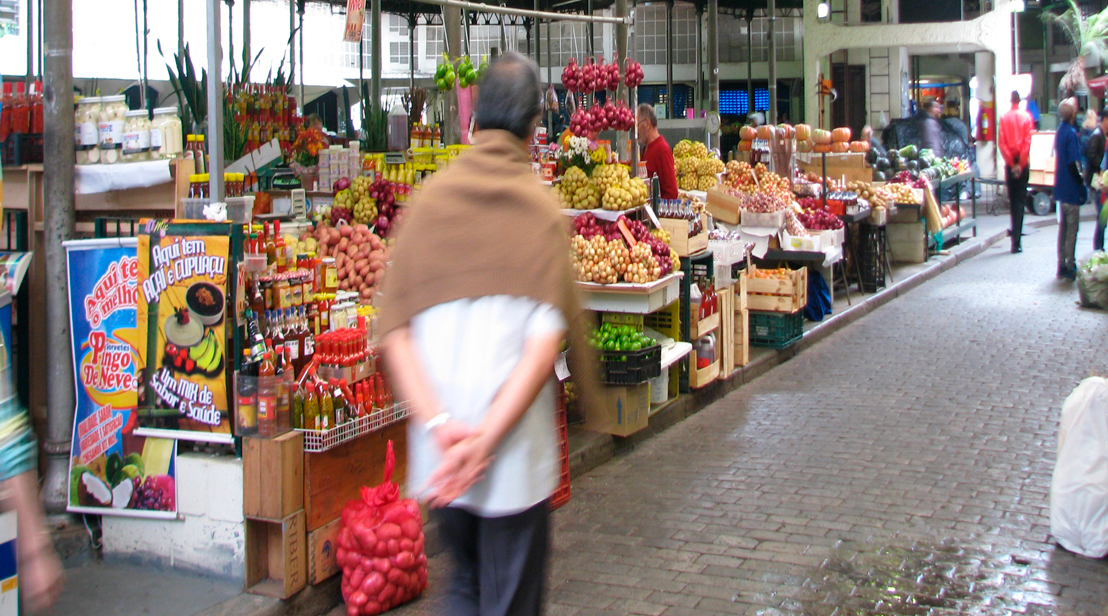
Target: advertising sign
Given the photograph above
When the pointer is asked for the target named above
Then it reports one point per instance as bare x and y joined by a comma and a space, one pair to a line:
355, 19
183, 276
112, 470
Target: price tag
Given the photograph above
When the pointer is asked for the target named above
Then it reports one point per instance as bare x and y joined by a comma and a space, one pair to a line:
561, 368
652, 216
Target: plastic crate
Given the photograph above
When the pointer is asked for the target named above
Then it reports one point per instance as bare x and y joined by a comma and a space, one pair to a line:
630, 367
21, 149
563, 492
776, 330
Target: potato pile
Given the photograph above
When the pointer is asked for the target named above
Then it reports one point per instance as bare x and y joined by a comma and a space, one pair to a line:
360, 256
902, 193
878, 197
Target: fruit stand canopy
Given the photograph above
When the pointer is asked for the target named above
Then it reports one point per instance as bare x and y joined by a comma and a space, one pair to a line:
410, 7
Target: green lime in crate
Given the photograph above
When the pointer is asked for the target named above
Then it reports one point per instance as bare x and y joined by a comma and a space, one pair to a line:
776, 330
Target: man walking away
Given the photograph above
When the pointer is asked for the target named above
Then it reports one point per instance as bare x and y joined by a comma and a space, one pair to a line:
930, 128
1094, 153
1069, 187
477, 301
1015, 146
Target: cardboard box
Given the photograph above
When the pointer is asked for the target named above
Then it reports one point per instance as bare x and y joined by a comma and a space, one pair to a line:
273, 476
621, 410
276, 558
337, 475
322, 545
907, 243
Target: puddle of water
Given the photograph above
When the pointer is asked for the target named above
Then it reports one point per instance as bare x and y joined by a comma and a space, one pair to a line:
920, 580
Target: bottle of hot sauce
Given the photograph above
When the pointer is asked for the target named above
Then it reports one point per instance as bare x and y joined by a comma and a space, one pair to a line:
267, 397
280, 252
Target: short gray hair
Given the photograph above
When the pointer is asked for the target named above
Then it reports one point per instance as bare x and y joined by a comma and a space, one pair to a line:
647, 112
511, 96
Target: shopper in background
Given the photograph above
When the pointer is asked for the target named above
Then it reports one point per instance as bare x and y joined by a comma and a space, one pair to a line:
1094, 167
474, 308
656, 153
930, 126
1015, 147
39, 570
1069, 187
876, 148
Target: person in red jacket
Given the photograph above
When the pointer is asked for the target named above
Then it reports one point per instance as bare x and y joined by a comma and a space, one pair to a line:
1015, 147
658, 156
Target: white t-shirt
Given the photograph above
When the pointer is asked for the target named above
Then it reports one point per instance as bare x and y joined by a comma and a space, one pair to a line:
468, 348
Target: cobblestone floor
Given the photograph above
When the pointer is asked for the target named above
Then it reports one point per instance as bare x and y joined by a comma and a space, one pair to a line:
902, 466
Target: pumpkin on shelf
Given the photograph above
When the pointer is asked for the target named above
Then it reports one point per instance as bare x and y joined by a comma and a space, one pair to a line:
840, 134
767, 131
840, 147
804, 146
803, 132
821, 137
821, 148
745, 145
859, 146
786, 131
748, 133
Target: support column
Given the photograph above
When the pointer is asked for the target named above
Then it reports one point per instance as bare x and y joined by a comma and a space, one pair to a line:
181, 30
59, 224
215, 101
749, 62
375, 53
246, 31
621, 92
452, 24
713, 56
698, 95
986, 95
292, 54
669, 59
771, 117
411, 57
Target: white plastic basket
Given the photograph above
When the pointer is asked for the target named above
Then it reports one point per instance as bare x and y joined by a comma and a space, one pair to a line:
316, 441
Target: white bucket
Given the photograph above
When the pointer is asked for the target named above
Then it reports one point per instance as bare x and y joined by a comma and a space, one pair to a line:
659, 388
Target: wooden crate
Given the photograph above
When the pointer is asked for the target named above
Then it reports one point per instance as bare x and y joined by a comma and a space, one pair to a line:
742, 338
774, 295
335, 476
702, 377
276, 559
727, 332
724, 207
739, 289
322, 545
680, 240
273, 476
705, 326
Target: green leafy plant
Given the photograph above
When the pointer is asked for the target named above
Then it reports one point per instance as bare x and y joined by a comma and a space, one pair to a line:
375, 124
1088, 35
192, 92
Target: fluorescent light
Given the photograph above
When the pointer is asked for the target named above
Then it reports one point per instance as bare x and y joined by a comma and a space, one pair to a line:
1016, 6
823, 11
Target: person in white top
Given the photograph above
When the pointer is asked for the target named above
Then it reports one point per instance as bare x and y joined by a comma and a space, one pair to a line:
473, 350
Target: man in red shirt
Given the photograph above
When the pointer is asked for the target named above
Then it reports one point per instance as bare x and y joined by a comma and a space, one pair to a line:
657, 155
1015, 147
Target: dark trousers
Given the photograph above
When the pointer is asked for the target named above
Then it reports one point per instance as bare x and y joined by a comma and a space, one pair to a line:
1017, 197
1098, 235
499, 563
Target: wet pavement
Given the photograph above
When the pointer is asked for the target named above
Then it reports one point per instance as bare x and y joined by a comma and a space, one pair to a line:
901, 466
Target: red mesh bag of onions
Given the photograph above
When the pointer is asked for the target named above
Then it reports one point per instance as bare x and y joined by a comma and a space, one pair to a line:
380, 548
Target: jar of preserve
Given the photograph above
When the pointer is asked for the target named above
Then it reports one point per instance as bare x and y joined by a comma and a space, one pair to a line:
165, 134
86, 122
136, 136
113, 116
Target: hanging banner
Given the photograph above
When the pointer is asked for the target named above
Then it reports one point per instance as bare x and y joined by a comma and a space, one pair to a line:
112, 471
355, 19
183, 278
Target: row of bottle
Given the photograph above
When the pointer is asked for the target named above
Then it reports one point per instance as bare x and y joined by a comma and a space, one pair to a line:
20, 109
318, 404
424, 136
705, 299
234, 185
287, 328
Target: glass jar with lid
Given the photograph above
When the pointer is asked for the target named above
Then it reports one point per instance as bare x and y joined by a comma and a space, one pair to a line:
165, 134
113, 111
136, 136
86, 122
